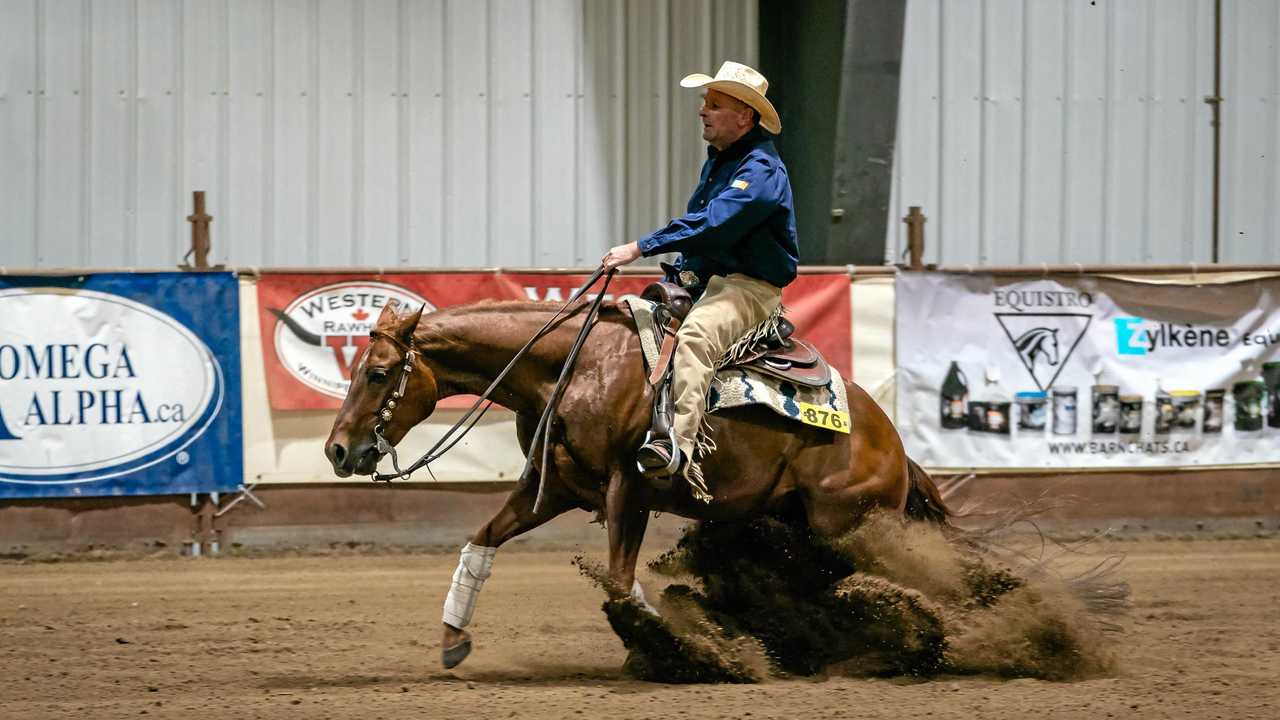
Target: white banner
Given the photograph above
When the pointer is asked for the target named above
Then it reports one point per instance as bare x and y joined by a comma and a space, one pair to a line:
1087, 372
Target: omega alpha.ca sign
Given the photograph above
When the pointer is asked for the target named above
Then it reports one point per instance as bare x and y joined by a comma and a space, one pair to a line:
108, 393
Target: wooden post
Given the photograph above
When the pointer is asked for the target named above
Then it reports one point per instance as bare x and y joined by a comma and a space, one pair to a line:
915, 237
199, 235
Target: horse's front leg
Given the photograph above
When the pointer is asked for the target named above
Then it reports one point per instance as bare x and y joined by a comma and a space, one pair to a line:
628, 516
476, 562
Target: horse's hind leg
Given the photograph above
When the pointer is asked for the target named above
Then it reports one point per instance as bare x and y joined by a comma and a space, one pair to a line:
516, 517
628, 517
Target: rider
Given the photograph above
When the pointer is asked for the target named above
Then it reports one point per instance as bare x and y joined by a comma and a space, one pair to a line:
737, 243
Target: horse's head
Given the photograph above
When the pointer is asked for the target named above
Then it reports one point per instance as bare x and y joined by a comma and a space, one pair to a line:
392, 389
1036, 343
1052, 342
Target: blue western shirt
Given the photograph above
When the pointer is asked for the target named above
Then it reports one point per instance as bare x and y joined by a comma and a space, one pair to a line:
741, 218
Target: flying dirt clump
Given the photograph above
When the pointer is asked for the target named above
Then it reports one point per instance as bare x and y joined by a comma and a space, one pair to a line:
766, 597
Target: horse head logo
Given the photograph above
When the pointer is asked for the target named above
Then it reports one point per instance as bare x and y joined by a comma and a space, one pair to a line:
1038, 343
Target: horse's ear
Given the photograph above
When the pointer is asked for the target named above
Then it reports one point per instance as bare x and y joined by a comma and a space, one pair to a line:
411, 324
387, 319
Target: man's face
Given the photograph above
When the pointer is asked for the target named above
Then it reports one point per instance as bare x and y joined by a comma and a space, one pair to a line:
724, 119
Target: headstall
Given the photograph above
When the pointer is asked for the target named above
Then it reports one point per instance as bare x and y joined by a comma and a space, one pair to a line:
543, 430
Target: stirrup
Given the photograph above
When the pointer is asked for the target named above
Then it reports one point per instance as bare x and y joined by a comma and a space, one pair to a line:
672, 465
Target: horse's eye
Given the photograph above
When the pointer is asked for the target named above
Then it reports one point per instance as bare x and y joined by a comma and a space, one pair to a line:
377, 376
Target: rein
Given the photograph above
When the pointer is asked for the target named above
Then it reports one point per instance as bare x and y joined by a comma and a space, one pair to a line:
471, 417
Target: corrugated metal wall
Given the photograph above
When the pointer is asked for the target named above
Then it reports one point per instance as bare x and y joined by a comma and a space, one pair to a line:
350, 132
1076, 131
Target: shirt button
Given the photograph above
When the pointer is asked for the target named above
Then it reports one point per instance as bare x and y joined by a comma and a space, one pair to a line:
702, 202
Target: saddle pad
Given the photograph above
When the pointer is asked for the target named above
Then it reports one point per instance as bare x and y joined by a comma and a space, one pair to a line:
737, 386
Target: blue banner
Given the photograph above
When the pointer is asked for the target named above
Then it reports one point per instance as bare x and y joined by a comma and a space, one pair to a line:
119, 384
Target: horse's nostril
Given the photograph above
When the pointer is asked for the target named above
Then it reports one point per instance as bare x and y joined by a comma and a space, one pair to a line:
337, 453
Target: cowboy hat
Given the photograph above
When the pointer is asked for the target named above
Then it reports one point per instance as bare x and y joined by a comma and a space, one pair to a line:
744, 83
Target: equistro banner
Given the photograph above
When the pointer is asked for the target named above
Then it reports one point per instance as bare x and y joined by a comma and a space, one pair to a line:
1075, 371
119, 384
314, 326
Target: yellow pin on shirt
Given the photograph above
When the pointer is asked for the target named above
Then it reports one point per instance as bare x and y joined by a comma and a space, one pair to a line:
740, 184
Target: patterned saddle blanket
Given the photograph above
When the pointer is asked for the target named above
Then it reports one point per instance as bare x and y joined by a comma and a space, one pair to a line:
825, 406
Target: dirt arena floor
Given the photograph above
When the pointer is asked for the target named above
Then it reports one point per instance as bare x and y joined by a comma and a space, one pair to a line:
349, 635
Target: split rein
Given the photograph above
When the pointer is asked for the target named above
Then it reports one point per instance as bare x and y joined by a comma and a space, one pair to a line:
473, 415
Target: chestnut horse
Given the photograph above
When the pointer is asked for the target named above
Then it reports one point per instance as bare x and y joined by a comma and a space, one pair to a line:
762, 459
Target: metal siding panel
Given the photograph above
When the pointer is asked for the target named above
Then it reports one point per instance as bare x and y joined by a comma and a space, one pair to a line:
63, 158
691, 24
1040, 221
379, 134
335, 117
1127, 136
292, 183
1199, 211
203, 88
19, 135
159, 110
553, 128
426, 149
110, 23
466, 68
648, 77
244, 226
916, 159
512, 27
958, 217
1002, 118
1172, 133
1083, 204
1249, 117
601, 143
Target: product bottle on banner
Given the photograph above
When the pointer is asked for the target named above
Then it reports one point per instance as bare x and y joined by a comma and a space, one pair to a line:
1032, 412
1164, 410
997, 410
1065, 409
1271, 376
1106, 408
1214, 410
1248, 395
955, 397
1186, 409
1131, 414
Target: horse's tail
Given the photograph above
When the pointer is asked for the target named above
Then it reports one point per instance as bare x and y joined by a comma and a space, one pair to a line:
924, 502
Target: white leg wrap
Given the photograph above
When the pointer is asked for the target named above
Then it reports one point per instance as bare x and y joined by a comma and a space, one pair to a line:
474, 567
637, 592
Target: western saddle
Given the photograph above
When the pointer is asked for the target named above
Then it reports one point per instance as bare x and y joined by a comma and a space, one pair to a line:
778, 355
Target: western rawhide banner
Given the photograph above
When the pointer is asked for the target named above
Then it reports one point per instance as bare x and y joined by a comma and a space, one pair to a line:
1087, 372
314, 326
119, 384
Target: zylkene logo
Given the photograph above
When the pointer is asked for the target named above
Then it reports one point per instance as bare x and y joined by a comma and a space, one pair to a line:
1136, 336
1044, 341
320, 334
94, 386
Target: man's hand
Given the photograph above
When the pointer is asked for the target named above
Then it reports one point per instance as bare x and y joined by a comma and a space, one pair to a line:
621, 255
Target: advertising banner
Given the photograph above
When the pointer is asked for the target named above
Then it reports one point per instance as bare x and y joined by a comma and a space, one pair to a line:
119, 384
1087, 371
314, 326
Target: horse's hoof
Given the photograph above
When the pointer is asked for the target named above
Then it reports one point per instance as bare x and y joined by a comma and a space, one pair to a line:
453, 656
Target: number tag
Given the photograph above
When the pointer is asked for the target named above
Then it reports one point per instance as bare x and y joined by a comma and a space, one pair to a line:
824, 417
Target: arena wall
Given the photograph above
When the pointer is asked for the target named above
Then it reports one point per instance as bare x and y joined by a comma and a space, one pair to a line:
293, 497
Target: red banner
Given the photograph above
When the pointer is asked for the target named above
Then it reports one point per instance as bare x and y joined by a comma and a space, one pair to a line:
314, 326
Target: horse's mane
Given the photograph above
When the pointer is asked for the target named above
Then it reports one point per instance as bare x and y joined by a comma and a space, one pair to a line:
514, 306
610, 311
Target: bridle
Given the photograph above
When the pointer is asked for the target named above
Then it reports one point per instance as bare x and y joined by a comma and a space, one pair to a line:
468, 420
384, 414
